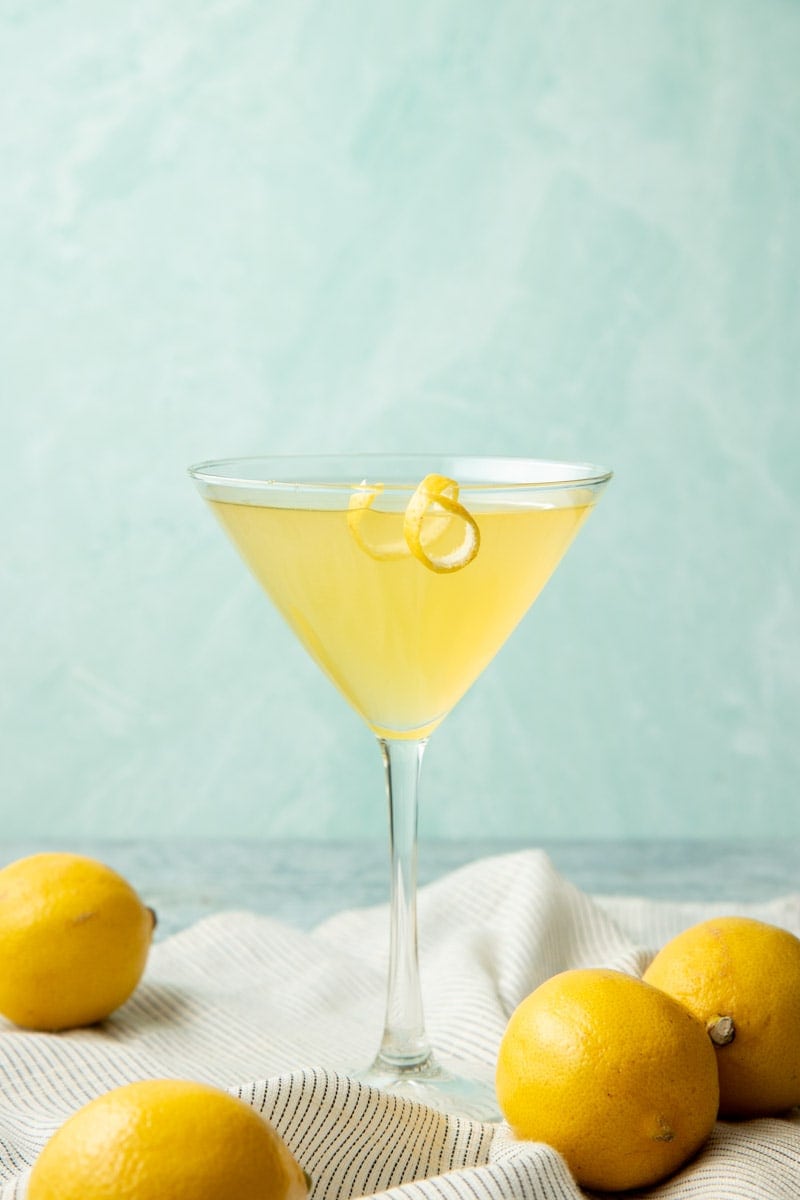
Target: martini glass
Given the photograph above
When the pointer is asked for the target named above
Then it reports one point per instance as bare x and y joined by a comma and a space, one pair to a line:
403, 576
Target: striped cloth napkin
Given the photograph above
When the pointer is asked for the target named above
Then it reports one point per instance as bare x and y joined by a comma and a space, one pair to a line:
277, 1016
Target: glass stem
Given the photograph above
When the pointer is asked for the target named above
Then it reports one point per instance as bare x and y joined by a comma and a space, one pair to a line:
404, 1045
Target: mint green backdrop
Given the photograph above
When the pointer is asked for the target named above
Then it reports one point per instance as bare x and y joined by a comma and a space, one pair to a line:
551, 227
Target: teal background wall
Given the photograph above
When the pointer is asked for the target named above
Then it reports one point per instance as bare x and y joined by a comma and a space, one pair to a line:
556, 227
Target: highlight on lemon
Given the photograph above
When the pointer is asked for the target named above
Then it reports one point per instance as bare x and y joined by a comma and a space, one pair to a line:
437, 530
162, 1138
74, 941
741, 979
614, 1074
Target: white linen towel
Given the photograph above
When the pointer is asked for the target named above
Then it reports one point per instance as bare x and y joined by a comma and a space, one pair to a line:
277, 1016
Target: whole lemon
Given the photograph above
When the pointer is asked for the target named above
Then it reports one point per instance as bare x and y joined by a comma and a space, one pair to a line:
741, 978
166, 1138
74, 940
611, 1072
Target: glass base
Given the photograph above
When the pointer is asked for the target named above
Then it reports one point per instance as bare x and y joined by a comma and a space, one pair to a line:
428, 1083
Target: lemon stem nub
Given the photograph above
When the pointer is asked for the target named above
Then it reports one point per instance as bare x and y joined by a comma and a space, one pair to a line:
665, 1132
721, 1030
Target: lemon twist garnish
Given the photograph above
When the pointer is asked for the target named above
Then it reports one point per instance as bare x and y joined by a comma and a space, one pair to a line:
360, 502
430, 514
438, 495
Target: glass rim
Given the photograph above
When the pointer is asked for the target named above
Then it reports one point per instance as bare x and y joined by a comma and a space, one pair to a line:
295, 471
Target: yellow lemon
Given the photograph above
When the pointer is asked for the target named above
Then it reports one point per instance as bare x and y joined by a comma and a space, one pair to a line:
611, 1072
74, 940
741, 978
166, 1138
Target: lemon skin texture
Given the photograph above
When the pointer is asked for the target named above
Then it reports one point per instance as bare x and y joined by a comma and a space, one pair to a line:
74, 941
615, 1075
166, 1139
741, 978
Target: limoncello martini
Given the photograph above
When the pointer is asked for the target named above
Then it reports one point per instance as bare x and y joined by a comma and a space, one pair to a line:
403, 576
401, 640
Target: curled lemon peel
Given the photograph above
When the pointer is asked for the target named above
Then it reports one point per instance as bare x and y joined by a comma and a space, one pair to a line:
440, 494
429, 513
360, 502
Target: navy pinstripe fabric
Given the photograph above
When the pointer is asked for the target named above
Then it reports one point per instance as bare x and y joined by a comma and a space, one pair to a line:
278, 1016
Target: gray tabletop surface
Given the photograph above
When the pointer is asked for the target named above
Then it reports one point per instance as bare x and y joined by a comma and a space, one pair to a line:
303, 882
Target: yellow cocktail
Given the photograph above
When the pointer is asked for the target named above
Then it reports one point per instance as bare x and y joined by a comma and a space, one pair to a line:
402, 576
402, 642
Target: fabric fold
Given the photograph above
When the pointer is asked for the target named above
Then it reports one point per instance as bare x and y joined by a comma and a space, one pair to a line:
283, 1017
